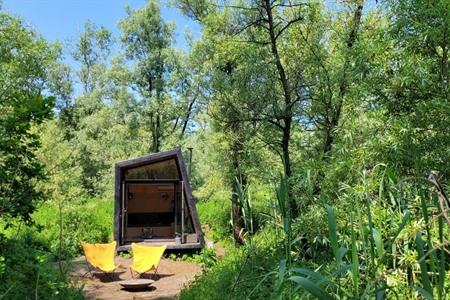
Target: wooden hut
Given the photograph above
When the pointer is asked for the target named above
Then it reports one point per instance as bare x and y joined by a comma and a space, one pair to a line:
154, 203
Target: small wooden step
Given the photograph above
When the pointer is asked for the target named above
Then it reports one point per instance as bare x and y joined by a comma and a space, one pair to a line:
170, 245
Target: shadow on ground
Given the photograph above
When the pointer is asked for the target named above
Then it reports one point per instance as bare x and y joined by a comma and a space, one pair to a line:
172, 277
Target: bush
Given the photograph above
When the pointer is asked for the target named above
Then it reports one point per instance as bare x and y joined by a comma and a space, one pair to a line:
215, 214
28, 256
206, 258
83, 220
27, 271
240, 270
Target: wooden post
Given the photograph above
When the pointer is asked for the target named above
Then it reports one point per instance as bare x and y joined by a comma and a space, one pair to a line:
176, 208
190, 161
123, 211
182, 212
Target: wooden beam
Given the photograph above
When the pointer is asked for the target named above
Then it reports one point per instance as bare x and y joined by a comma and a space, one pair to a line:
117, 205
169, 245
190, 198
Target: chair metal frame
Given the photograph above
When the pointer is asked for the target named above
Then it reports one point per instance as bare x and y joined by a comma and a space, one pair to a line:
155, 273
92, 268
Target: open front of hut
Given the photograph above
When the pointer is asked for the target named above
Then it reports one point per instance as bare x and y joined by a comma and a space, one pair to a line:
154, 203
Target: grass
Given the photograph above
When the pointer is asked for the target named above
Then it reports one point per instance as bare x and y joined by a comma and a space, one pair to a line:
89, 220
384, 240
377, 239
240, 268
28, 254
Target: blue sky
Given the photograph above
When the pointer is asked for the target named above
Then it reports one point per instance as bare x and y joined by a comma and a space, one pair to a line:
63, 19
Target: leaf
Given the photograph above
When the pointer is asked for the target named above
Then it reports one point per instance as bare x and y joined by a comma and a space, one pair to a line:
310, 273
378, 243
424, 293
355, 263
423, 265
341, 270
391, 174
260, 282
296, 240
341, 253
332, 233
282, 269
380, 294
405, 220
381, 188
320, 278
442, 255
310, 287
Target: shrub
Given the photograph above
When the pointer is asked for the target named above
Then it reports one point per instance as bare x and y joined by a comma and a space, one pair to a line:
215, 213
27, 271
83, 220
239, 271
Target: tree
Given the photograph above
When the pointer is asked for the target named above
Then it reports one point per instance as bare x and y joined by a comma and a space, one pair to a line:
187, 87
147, 40
225, 110
92, 49
24, 56
411, 83
263, 25
62, 87
333, 60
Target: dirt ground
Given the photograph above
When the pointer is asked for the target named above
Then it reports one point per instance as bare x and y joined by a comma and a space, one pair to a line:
173, 277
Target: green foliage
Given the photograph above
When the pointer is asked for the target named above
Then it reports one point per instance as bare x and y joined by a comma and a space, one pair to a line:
354, 270
344, 100
251, 262
91, 50
87, 220
412, 84
23, 55
206, 258
215, 213
28, 271
147, 40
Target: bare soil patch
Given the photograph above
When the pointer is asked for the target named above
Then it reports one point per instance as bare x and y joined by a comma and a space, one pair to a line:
173, 277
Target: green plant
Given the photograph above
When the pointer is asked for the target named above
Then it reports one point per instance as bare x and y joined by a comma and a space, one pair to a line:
126, 255
215, 214
206, 258
244, 199
83, 220
29, 270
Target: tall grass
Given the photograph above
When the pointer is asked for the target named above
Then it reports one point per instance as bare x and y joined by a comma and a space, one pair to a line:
386, 239
382, 257
244, 201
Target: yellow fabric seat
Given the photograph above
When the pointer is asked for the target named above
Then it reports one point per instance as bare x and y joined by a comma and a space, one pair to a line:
146, 258
100, 256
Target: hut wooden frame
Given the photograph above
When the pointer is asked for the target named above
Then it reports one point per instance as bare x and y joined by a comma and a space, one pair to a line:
122, 167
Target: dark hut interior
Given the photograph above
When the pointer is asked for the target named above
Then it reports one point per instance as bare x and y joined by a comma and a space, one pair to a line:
154, 202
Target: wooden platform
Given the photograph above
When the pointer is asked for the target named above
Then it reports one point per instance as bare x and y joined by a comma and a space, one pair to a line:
157, 242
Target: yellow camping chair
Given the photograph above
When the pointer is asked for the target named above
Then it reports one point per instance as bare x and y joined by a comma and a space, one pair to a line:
146, 258
100, 257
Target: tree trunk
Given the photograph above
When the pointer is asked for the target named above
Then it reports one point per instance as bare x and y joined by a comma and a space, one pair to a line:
333, 122
188, 115
236, 214
287, 117
236, 175
288, 170
158, 133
